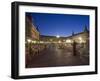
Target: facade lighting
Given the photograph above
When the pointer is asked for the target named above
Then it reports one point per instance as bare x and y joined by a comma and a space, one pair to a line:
81, 40
68, 41
41, 42
57, 36
34, 42
28, 40
59, 41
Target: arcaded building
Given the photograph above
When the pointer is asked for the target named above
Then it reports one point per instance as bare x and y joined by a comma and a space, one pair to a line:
81, 37
31, 30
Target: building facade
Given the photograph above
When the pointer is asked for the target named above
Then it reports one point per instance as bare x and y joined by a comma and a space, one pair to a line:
82, 37
78, 41
36, 44
31, 31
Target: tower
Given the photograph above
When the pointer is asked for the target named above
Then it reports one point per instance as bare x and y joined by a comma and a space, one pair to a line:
37, 29
85, 29
72, 33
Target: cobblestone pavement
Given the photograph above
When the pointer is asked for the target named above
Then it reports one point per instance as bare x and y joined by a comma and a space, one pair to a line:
53, 56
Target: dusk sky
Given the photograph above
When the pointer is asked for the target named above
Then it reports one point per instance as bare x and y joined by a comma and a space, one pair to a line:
59, 24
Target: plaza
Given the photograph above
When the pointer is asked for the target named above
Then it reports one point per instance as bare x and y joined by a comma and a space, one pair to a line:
51, 51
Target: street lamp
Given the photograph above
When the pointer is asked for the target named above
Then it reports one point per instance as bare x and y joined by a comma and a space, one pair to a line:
29, 45
74, 48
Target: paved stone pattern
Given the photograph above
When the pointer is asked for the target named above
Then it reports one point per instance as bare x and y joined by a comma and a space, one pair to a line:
53, 56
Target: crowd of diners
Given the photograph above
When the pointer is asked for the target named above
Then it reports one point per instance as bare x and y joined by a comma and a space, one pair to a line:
33, 50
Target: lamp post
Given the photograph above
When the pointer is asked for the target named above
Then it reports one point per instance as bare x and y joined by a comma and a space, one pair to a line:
74, 48
29, 46
57, 41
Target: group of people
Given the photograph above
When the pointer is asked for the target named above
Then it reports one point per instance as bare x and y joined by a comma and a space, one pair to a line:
35, 49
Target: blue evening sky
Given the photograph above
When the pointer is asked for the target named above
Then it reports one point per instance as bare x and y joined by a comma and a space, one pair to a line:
59, 24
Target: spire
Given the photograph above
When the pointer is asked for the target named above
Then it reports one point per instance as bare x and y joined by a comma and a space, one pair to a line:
85, 29
72, 33
37, 29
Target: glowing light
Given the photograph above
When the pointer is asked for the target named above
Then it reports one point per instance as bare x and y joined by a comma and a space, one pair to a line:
33, 41
41, 42
59, 41
28, 40
80, 38
68, 41
51, 40
57, 36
